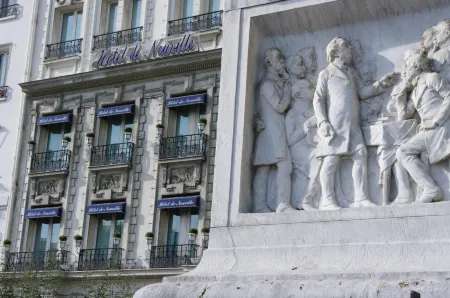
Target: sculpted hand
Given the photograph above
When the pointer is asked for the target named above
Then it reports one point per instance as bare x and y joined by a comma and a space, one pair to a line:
288, 89
326, 130
389, 80
259, 126
427, 125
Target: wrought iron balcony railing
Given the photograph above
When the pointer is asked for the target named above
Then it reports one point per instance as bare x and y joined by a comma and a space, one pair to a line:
51, 161
100, 259
11, 10
3, 91
114, 154
63, 49
117, 38
182, 146
36, 261
173, 256
196, 23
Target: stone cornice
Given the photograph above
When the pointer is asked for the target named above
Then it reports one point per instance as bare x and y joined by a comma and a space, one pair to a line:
123, 74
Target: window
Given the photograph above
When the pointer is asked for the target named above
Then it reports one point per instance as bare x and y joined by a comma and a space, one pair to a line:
4, 3
116, 127
107, 226
214, 5
3, 67
112, 17
56, 132
71, 26
136, 14
188, 8
187, 119
47, 235
180, 222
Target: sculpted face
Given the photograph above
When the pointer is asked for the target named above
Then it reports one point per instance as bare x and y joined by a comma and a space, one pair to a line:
304, 90
345, 52
410, 70
441, 35
296, 65
277, 62
428, 39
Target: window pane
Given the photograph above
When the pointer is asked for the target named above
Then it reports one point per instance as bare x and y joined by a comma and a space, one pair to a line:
3, 66
136, 15
5, 3
103, 232
54, 137
78, 26
193, 224
67, 27
174, 229
188, 8
55, 236
183, 121
114, 130
112, 17
40, 242
214, 5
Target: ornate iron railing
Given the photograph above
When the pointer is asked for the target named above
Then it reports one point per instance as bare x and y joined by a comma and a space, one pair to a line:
36, 261
182, 146
11, 10
114, 154
173, 256
196, 23
3, 91
51, 161
117, 38
63, 49
100, 259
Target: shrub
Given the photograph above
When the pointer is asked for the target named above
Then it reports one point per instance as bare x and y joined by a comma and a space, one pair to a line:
78, 237
149, 235
6, 242
202, 121
117, 235
90, 135
31, 142
193, 231
128, 129
67, 139
205, 230
63, 238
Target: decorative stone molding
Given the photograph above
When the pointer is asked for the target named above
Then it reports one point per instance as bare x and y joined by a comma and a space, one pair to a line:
47, 191
110, 185
181, 179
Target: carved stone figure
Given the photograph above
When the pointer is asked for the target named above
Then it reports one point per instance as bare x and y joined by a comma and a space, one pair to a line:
441, 58
271, 147
336, 105
300, 120
430, 97
182, 175
427, 43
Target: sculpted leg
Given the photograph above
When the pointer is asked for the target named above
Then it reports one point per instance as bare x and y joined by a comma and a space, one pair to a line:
313, 188
359, 175
284, 181
408, 155
327, 177
260, 190
404, 188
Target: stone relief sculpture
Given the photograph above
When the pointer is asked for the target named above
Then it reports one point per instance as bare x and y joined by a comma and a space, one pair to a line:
441, 40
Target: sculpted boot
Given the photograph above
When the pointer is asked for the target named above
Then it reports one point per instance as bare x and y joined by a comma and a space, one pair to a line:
285, 207
308, 204
431, 194
328, 204
363, 202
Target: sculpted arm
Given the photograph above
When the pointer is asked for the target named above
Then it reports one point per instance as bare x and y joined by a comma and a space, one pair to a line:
294, 134
442, 86
320, 98
367, 91
278, 102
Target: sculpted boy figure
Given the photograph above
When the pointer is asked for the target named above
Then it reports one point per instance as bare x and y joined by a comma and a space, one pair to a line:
271, 148
300, 120
430, 95
441, 58
336, 105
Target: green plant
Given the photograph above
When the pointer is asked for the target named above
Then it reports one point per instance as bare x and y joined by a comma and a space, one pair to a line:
193, 231
90, 135
202, 121
128, 129
159, 126
205, 230
63, 238
6, 242
31, 142
117, 235
67, 139
149, 235
78, 237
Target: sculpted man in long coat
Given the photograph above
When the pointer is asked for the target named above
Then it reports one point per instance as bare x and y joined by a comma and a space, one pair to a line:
336, 105
271, 148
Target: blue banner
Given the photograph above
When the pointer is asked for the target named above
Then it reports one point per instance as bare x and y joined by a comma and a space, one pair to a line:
106, 208
43, 212
167, 203
63, 118
117, 110
186, 100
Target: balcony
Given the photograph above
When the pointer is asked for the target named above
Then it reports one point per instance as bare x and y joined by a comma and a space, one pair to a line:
107, 40
196, 23
8, 11
63, 49
51, 161
174, 256
112, 155
182, 146
100, 259
3, 91
36, 261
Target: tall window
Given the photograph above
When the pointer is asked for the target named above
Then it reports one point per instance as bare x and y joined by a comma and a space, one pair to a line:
136, 14
56, 132
4, 3
71, 25
47, 234
112, 17
174, 228
187, 119
3, 67
116, 127
107, 226
214, 5
188, 8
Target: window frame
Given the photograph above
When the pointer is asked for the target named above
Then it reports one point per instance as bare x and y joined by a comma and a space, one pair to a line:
111, 231
75, 25
4, 66
109, 16
51, 222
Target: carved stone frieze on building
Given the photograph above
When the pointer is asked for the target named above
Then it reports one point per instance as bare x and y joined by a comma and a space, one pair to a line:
179, 180
47, 191
109, 185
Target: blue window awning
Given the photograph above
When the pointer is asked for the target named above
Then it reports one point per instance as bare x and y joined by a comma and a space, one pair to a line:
117, 110
106, 208
43, 212
185, 100
181, 202
54, 119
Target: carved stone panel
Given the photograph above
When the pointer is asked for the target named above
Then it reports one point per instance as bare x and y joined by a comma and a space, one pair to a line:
47, 191
110, 185
184, 179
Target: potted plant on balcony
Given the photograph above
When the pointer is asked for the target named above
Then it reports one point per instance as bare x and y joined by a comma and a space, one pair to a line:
6, 244
31, 144
116, 238
201, 124
62, 240
65, 141
90, 137
149, 238
159, 128
128, 131
205, 235
192, 234
78, 239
